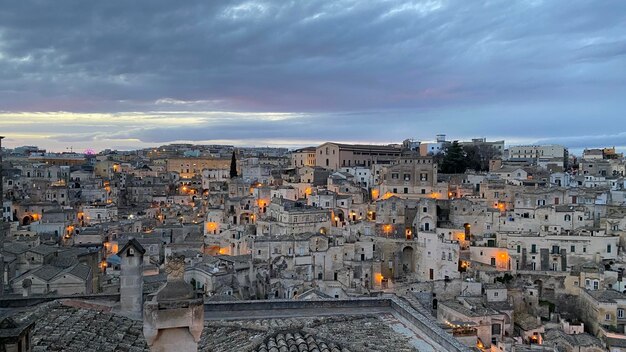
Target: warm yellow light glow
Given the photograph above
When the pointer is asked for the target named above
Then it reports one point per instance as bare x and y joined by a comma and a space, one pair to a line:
308, 191
387, 195
435, 195
211, 226
378, 278
375, 193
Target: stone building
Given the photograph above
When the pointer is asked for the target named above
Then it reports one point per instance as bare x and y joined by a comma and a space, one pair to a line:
336, 155
303, 157
411, 175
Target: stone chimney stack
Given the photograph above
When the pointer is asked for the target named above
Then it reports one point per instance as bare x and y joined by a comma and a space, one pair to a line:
174, 319
131, 276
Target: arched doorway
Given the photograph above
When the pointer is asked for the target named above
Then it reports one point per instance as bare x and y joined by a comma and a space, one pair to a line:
340, 216
27, 220
408, 262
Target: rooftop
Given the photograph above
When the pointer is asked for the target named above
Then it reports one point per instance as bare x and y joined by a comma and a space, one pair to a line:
59, 327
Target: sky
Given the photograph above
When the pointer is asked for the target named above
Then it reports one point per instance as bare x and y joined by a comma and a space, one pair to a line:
132, 74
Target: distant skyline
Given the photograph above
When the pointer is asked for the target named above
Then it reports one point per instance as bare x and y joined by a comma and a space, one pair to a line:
128, 75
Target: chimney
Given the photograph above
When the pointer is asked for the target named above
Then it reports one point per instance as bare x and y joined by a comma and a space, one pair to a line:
173, 319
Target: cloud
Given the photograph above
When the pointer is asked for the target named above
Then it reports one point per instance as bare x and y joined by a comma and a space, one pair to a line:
159, 71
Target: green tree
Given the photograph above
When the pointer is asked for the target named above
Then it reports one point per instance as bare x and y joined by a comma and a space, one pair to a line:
454, 160
478, 156
233, 166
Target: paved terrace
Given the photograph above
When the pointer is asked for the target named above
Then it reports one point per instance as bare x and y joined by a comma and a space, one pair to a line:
422, 332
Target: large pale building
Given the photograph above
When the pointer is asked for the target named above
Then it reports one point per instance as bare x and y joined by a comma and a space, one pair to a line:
303, 157
535, 153
336, 155
190, 167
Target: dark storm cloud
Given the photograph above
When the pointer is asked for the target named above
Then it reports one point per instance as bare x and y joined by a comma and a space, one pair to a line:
349, 70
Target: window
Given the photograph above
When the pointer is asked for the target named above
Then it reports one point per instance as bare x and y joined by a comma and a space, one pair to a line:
407, 177
406, 190
425, 209
423, 177
608, 248
533, 248
495, 294
620, 313
394, 176
519, 248
596, 284
607, 316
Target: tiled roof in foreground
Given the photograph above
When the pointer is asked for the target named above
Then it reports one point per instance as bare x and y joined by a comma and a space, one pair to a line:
63, 328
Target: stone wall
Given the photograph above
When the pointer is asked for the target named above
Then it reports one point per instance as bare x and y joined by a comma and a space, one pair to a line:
294, 304
19, 301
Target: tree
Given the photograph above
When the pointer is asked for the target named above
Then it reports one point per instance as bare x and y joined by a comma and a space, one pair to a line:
479, 155
233, 166
454, 161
